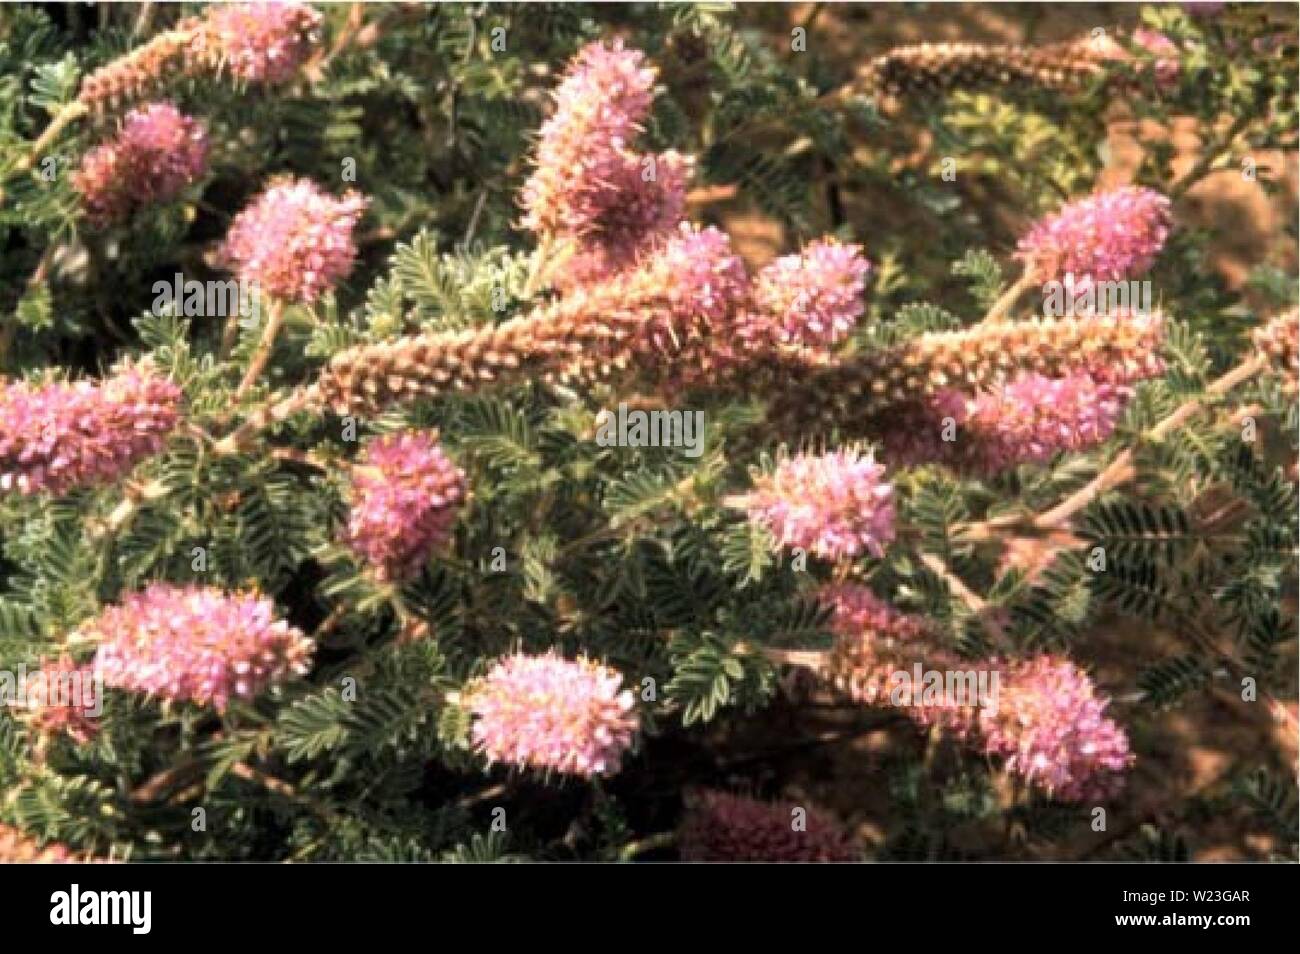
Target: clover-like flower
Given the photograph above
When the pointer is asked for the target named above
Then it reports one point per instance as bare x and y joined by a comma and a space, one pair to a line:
60, 436
1107, 236
195, 644
294, 241
406, 495
553, 714
835, 505
157, 152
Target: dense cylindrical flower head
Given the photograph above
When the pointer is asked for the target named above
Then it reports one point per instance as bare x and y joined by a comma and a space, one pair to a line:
195, 644
719, 826
858, 394
812, 299
589, 187
856, 610
835, 505
17, 847
60, 436
1027, 420
406, 494
1049, 726
873, 640
263, 42
180, 51
1107, 236
582, 147
696, 281
59, 699
157, 152
294, 241
644, 202
930, 67
667, 318
552, 714
252, 42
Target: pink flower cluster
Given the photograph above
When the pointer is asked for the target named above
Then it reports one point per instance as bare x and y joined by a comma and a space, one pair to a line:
855, 611
1166, 53
549, 713
406, 495
588, 185
872, 641
196, 644
60, 436
719, 826
157, 152
294, 241
812, 299
1050, 727
834, 505
698, 283
1027, 420
1107, 236
264, 42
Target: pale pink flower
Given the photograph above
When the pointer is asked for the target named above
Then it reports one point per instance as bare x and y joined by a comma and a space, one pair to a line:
582, 149
552, 714
835, 505
294, 241
589, 186
157, 152
60, 436
406, 495
264, 42
1028, 420
1107, 236
196, 644
812, 299
1049, 726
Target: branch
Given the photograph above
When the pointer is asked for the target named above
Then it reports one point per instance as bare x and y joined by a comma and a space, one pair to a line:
1122, 469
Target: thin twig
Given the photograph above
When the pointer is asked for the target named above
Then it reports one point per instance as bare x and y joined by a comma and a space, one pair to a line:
274, 319
1120, 470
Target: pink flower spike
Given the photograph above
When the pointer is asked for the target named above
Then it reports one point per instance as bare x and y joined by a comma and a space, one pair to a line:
1049, 726
294, 241
812, 299
196, 644
157, 153
58, 437
264, 42
1107, 236
835, 505
406, 495
549, 713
